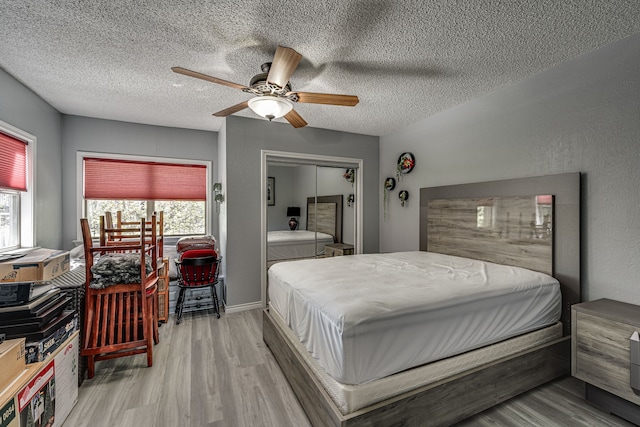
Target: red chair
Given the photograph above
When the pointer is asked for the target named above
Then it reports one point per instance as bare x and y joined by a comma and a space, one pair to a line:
197, 268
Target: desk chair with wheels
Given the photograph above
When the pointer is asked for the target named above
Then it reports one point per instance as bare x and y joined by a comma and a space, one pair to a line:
197, 268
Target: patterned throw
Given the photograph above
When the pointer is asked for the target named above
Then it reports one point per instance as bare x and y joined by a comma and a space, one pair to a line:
115, 269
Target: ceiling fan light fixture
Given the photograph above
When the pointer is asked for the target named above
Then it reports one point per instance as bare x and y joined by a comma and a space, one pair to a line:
270, 107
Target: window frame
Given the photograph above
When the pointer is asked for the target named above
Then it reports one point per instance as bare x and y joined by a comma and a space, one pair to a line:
27, 198
81, 202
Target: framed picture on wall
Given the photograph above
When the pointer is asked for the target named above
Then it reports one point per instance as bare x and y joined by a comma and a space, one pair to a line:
271, 191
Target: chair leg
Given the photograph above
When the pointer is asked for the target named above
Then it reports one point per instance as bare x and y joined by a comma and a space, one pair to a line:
149, 333
91, 366
179, 306
214, 295
154, 318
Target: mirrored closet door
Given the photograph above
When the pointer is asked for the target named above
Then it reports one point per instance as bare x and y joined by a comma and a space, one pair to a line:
310, 211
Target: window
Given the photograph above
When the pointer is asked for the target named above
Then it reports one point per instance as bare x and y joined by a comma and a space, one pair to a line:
9, 219
16, 194
139, 187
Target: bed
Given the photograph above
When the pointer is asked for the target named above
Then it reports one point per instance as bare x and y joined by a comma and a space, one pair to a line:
458, 360
324, 226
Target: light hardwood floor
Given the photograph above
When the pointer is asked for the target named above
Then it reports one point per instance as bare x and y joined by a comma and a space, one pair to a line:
210, 372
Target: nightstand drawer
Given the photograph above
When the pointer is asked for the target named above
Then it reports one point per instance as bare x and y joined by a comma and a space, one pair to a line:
602, 355
338, 249
601, 348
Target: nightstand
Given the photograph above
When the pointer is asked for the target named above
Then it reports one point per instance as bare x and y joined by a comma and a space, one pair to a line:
600, 354
338, 249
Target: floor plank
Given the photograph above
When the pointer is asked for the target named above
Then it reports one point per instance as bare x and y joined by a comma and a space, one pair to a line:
211, 372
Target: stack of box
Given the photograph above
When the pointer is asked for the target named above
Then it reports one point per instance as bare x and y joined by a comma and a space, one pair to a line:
42, 393
39, 360
32, 308
36, 312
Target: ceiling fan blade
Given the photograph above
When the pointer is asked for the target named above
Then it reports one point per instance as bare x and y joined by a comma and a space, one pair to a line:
284, 64
201, 76
295, 119
229, 111
327, 98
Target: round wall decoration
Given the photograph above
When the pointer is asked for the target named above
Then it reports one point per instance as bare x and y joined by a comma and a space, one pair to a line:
406, 162
389, 184
403, 196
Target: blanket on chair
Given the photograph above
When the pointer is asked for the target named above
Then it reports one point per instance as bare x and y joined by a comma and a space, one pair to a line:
115, 269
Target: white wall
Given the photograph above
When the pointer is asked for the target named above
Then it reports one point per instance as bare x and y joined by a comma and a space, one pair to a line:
25, 110
580, 116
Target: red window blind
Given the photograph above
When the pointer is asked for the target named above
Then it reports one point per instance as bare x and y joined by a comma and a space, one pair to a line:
111, 179
13, 163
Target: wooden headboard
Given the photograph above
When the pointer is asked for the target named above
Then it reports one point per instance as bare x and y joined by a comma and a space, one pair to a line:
514, 231
565, 260
328, 211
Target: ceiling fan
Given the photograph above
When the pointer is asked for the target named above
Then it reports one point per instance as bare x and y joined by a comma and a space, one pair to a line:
272, 89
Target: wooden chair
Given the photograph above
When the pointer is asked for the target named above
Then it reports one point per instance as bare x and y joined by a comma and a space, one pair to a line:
197, 269
157, 218
128, 232
119, 319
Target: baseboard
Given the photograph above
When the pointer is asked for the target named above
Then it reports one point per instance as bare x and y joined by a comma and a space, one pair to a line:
228, 309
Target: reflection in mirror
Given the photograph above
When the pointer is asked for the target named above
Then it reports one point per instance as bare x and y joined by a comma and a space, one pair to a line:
304, 186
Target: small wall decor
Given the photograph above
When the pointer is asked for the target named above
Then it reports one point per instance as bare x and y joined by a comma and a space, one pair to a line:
389, 184
403, 196
406, 163
218, 196
349, 175
271, 191
350, 199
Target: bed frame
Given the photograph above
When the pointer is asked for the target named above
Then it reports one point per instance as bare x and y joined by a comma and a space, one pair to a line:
462, 395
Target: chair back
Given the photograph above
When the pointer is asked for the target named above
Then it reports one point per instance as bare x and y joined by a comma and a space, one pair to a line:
197, 272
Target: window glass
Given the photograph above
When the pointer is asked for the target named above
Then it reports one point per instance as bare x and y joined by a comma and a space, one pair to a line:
9, 220
181, 218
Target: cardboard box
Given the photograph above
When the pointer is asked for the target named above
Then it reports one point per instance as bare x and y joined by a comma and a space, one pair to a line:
8, 406
39, 264
48, 395
12, 361
38, 351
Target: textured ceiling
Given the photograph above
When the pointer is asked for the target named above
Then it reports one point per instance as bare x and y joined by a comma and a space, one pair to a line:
405, 60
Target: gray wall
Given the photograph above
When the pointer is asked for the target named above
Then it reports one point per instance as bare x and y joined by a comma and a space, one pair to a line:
25, 110
245, 138
107, 136
580, 116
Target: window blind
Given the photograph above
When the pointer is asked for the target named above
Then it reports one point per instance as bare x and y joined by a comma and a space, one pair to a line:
13, 163
112, 179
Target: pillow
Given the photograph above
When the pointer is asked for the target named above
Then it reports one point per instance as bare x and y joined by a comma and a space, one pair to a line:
77, 252
198, 253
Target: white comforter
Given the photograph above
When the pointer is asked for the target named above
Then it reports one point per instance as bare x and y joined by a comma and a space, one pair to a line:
364, 317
